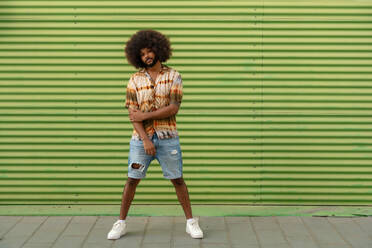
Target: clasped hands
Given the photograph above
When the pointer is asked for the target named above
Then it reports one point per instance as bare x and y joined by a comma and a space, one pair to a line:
136, 115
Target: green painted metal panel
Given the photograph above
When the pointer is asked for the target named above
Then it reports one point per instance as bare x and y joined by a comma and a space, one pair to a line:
276, 108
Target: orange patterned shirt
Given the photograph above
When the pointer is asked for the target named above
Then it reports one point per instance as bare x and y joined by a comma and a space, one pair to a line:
147, 95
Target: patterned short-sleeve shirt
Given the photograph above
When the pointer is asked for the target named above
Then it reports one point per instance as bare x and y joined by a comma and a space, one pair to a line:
147, 95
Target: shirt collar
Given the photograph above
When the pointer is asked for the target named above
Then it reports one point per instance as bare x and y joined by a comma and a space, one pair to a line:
163, 68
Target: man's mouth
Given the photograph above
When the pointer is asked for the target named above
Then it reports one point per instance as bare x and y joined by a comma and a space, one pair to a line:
148, 60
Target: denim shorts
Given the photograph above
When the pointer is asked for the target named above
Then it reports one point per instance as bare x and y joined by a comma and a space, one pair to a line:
168, 154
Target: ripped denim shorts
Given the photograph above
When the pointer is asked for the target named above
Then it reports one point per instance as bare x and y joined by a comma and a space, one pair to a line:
168, 154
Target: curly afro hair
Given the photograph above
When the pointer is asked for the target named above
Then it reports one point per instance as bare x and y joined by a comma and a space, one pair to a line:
149, 38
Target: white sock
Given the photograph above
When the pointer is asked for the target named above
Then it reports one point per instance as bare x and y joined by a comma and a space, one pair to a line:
122, 221
189, 220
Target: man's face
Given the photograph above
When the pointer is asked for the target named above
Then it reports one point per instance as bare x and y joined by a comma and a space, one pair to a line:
148, 57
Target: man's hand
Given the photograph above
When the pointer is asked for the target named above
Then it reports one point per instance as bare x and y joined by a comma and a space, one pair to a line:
137, 115
149, 147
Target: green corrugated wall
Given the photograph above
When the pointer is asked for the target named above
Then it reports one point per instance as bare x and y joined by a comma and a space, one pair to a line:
277, 105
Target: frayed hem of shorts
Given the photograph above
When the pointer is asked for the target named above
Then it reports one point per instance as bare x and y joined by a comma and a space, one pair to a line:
173, 177
136, 177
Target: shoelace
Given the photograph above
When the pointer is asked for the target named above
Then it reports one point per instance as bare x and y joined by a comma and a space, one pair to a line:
194, 225
117, 225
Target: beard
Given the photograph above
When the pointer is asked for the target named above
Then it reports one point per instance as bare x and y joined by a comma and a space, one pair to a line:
154, 61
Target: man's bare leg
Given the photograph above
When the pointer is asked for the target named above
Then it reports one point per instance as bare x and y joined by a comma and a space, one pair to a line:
128, 195
183, 196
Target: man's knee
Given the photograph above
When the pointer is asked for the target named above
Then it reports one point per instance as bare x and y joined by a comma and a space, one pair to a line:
133, 181
178, 182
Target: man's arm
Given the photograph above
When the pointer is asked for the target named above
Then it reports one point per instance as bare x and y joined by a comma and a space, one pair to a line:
138, 126
137, 115
147, 143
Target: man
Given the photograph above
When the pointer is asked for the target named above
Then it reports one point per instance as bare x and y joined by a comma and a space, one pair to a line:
153, 98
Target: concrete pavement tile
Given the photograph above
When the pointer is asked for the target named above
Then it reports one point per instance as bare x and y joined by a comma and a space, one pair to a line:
365, 223
215, 245
97, 245
302, 242
6, 218
245, 246
242, 233
279, 245
187, 246
122, 242
268, 231
25, 228
34, 219
351, 232
158, 230
230, 219
37, 245
335, 246
156, 245
270, 237
69, 241
13, 242
135, 229
98, 233
295, 220
50, 229
262, 223
212, 223
160, 221
295, 231
84, 219
215, 236
77, 229
157, 236
135, 219
98, 236
322, 231
105, 221
180, 219
56, 220
7, 222
292, 226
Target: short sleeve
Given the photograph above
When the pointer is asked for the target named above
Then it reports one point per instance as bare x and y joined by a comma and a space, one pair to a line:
176, 91
131, 95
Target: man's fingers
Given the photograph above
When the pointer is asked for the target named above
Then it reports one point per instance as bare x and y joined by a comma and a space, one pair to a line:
151, 152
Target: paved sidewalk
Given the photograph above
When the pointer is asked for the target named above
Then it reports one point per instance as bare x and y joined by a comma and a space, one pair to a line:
154, 232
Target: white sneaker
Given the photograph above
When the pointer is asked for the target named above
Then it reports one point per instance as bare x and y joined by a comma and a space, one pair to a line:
193, 229
118, 229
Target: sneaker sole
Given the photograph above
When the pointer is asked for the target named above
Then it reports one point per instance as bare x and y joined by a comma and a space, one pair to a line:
118, 237
195, 237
